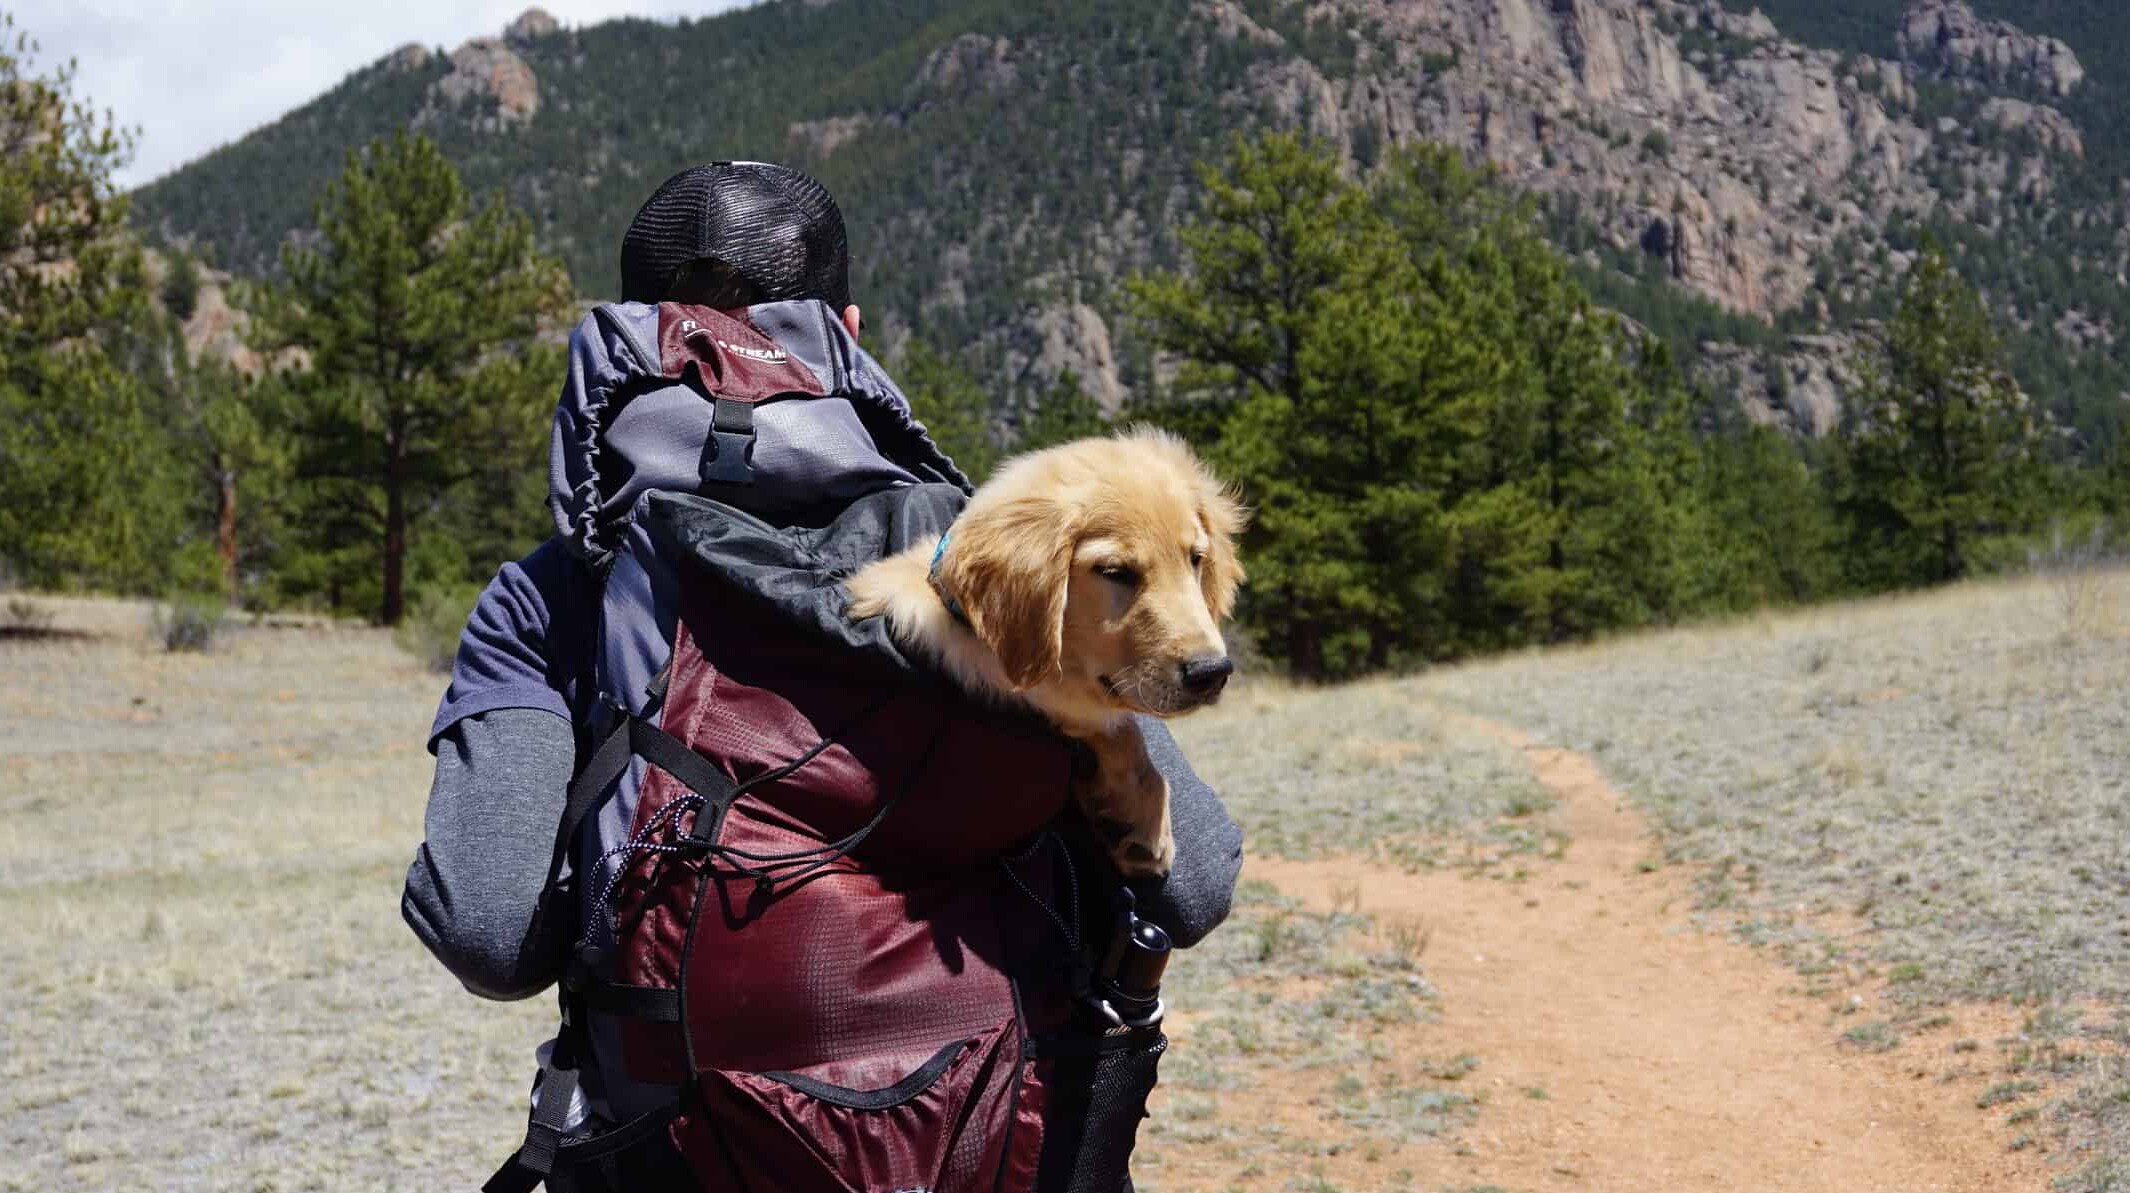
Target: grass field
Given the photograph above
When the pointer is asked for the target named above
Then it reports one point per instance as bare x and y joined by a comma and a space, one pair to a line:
211, 987
209, 984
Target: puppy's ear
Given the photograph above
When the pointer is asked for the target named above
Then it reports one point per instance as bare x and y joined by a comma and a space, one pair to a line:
1224, 519
1009, 565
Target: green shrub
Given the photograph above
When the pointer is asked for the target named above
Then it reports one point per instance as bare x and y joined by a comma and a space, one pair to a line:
190, 621
27, 616
435, 617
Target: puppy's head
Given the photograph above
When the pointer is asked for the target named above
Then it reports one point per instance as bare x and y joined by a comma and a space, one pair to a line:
1105, 565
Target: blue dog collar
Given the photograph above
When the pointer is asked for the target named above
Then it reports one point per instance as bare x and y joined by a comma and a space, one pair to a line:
939, 553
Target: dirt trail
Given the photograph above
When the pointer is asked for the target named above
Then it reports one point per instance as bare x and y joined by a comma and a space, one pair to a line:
1669, 1058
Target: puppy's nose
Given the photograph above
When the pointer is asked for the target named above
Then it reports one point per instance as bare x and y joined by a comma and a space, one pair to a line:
1206, 674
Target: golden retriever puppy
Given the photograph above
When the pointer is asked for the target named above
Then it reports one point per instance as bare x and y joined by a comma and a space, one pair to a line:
1089, 582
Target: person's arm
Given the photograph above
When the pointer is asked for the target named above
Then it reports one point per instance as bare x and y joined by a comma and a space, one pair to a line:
474, 890
1194, 898
505, 751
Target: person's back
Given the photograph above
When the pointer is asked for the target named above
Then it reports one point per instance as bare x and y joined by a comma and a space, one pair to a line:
636, 614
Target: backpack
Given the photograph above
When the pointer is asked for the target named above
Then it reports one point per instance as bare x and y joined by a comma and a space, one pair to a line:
835, 928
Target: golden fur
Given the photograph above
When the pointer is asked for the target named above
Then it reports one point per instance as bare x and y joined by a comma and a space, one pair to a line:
1091, 575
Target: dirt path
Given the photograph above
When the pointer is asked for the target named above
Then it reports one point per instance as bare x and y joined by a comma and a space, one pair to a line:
1622, 1049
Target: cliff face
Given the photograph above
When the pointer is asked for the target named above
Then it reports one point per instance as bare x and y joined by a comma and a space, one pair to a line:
1681, 127
1751, 168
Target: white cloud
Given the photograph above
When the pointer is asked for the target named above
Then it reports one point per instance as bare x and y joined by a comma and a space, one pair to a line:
194, 74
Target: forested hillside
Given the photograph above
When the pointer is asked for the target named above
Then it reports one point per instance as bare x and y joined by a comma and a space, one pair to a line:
1719, 174
976, 171
1311, 239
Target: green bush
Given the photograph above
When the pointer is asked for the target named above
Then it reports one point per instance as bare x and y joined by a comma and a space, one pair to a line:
430, 631
26, 616
190, 621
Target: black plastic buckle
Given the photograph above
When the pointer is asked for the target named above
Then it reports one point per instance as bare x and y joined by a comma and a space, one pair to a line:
728, 454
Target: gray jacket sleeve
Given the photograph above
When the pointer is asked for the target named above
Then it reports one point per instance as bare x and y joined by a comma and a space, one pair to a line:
1194, 899
473, 891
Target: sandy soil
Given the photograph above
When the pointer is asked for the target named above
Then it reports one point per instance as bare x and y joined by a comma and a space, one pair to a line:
1623, 1049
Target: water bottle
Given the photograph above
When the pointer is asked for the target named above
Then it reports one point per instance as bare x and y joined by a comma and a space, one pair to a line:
1131, 969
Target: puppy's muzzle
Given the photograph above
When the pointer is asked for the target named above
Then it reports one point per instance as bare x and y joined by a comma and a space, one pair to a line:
1203, 676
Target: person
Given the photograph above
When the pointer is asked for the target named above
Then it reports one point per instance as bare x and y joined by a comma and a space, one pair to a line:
513, 725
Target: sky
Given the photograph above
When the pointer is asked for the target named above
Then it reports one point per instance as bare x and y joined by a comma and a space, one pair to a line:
190, 75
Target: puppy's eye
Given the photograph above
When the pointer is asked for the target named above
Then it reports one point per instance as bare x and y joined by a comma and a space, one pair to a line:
1119, 573
1198, 557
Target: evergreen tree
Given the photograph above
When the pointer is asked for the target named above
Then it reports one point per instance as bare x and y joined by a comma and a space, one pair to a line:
1446, 444
82, 479
1941, 447
66, 267
1767, 533
951, 404
416, 311
1064, 412
230, 448
180, 290
1279, 231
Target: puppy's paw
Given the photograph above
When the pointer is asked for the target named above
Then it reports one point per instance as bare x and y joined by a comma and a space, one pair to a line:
1141, 852
1128, 799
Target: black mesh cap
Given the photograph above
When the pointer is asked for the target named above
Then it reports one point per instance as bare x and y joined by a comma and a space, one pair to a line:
779, 228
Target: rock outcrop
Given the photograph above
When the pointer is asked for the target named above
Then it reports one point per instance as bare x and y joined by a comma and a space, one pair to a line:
970, 64
1682, 128
1946, 36
1801, 389
531, 25
2050, 128
817, 139
487, 71
1754, 153
1759, 172
412, 56
1076, 340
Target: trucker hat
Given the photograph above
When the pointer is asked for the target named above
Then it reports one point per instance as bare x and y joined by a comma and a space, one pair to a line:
778, 228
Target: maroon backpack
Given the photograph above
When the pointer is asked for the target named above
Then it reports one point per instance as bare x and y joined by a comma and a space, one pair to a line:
849, 921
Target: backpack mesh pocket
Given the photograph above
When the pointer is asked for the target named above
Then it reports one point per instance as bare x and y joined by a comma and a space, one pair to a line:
1097, 1090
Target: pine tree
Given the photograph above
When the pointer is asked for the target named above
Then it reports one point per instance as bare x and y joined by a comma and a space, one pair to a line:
1276, 236
952, 405
1064, 412
180, 290
1449, 448
1309, 378
66, 266
1941, 447
82, 475
412, 305
229, 443
1767, 533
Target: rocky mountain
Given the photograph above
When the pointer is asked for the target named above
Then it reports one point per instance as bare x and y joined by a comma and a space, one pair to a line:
1749, 184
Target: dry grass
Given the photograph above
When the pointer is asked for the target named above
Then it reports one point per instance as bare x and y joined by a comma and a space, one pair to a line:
1281, 993
1312, 772
210, 987
1934, 789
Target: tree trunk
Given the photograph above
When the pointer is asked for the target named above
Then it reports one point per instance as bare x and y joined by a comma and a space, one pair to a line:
395, 596
225, 529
